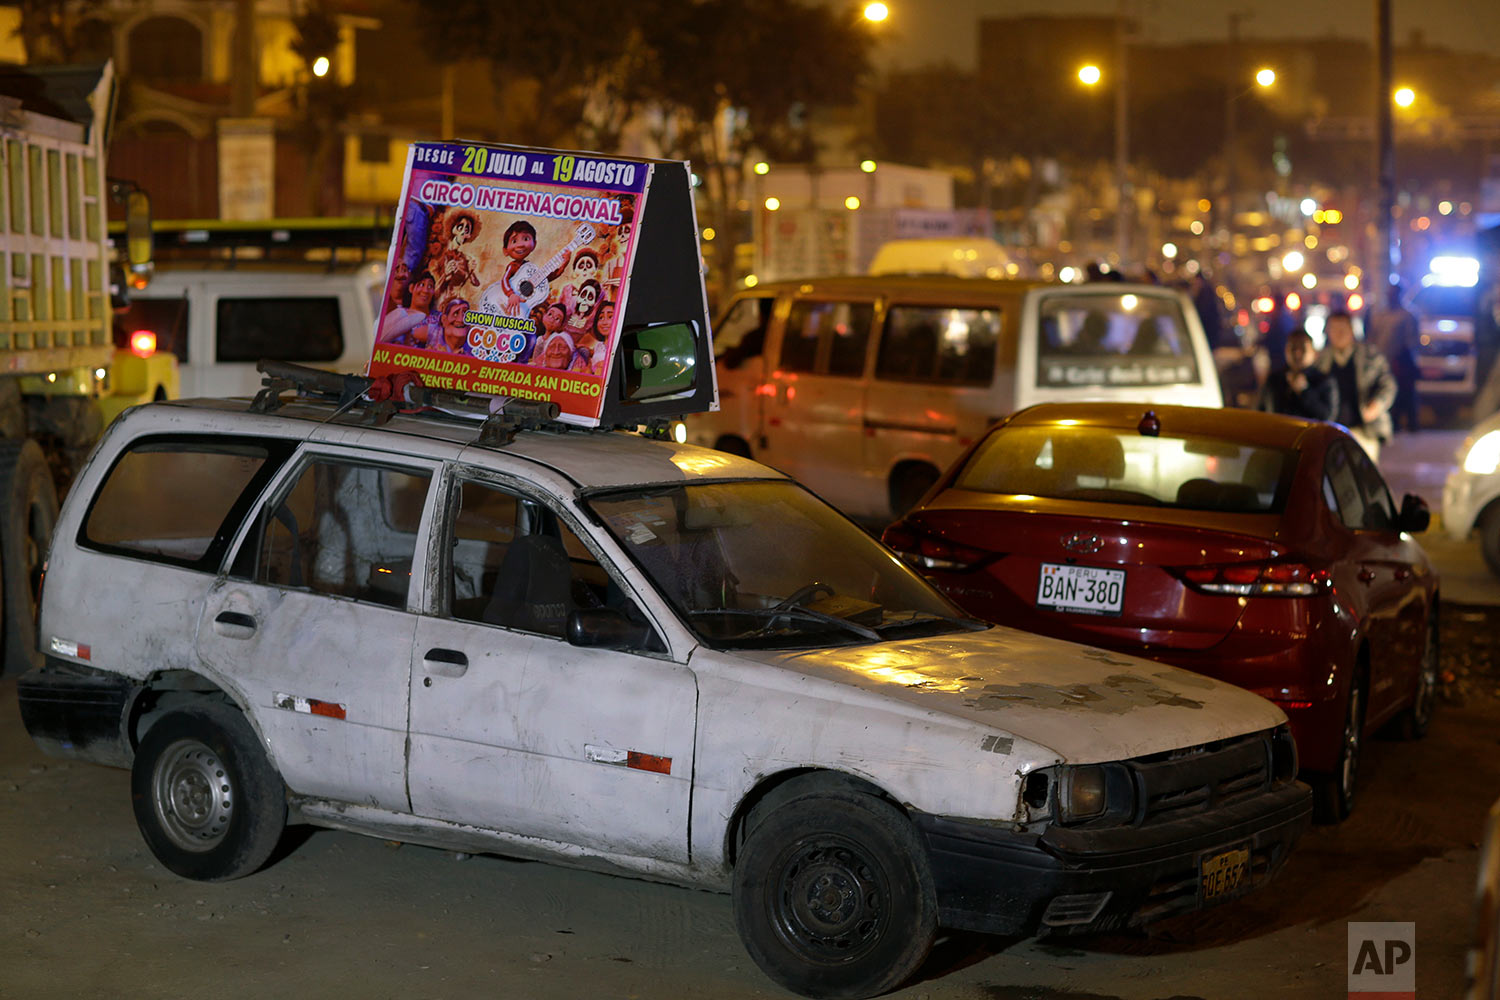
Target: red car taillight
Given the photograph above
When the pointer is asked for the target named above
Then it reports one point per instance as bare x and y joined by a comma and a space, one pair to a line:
1282, 579
926, 552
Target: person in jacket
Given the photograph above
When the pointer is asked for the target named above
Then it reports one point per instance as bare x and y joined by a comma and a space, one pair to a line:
1366, 388
1300, 389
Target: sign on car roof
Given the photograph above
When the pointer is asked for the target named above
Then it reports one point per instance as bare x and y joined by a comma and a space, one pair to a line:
512, 272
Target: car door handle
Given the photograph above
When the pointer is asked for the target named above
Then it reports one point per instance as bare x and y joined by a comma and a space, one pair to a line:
445, 662
1366, 575
234, 624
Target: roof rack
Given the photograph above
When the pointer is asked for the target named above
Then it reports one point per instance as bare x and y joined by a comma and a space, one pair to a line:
500, 418
285, 240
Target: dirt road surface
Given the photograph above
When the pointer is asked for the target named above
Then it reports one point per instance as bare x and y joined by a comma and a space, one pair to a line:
86, 912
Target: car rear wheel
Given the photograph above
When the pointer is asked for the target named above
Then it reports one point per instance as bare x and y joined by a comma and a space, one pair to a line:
1335, 798
1414, 720
833, 896
206, 799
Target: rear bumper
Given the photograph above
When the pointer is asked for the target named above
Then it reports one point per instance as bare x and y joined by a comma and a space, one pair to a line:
78, 712
1082, 881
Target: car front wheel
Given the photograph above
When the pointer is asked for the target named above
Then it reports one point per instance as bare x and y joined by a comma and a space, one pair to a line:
833, 896
206, 799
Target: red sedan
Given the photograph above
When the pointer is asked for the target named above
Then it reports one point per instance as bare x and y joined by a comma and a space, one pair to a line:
1261, 550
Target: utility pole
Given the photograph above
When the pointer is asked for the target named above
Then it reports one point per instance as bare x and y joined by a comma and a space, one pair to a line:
242, 61
1123, 189
1383, 265
1231, 130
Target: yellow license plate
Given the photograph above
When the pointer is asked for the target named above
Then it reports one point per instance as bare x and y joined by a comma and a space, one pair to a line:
1224, 874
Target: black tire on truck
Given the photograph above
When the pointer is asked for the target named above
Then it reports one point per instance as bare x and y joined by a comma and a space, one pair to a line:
27, 517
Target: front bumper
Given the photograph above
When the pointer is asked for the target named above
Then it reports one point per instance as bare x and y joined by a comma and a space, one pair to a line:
1064, 880
78, 712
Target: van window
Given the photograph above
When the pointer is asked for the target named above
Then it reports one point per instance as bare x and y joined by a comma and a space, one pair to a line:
741, 334
289, 328
179, 500
1120, 340
939, 344
837, 330
167, 318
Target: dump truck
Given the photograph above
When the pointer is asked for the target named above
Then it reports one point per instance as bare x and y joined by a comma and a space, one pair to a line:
62, 378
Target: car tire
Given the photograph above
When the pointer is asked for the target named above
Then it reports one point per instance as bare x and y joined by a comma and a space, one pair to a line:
833, 896
1335, 791
909, 485
30, 514
206, 799
1489, 537
1414, 720
731, 445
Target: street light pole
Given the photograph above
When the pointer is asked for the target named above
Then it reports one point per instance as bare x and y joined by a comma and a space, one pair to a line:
1385, 156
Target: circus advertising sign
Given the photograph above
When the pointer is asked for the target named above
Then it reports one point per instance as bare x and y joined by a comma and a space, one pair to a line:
509, 271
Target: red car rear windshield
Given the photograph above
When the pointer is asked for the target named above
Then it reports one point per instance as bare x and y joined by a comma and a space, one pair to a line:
1105, 466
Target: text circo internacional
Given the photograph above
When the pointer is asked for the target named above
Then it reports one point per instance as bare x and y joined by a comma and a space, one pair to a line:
544, 204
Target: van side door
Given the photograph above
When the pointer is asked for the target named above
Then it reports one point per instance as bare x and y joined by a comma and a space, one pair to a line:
814, 425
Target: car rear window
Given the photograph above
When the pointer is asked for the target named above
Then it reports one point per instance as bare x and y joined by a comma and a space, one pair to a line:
1126, 340
1105, 466
290, 328
178, 500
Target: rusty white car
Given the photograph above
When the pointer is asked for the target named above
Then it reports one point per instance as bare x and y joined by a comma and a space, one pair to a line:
616, 652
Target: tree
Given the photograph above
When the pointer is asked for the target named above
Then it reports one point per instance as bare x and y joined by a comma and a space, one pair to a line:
61, 31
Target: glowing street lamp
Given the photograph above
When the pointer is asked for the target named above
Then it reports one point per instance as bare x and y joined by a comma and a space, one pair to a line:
1404, 97
1090, 75
1265, 76
876, 12
320, 66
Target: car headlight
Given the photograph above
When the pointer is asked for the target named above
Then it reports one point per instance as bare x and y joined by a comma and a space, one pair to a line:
1483, 455
1083, 795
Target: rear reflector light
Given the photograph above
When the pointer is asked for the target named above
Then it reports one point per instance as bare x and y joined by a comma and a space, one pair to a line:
926, 552
1282, 579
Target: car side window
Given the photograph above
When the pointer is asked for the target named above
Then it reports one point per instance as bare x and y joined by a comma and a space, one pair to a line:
180, 500
346, 529
741, 335
513, 562
1341, 480
1380, 511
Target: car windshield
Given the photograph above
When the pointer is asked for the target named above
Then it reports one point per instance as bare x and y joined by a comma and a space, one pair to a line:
1109, 466
1108, 340
768, 565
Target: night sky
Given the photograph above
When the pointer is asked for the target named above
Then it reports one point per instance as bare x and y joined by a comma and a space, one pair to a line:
930, 31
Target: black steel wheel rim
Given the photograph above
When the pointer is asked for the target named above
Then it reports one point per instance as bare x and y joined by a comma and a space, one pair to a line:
830, 901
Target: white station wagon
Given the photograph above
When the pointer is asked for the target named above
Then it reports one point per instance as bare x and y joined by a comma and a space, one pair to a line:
616, 652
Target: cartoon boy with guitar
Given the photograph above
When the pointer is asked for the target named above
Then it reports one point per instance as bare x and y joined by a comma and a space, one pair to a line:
523, 285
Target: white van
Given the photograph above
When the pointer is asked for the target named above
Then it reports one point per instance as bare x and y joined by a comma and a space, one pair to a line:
865, 388
220, 320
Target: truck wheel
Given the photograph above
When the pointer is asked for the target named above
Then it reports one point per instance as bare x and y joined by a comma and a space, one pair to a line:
833, 896
29, 514
206, 799
1335, 791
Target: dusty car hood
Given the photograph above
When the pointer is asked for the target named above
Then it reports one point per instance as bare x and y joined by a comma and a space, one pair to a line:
1085, 704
